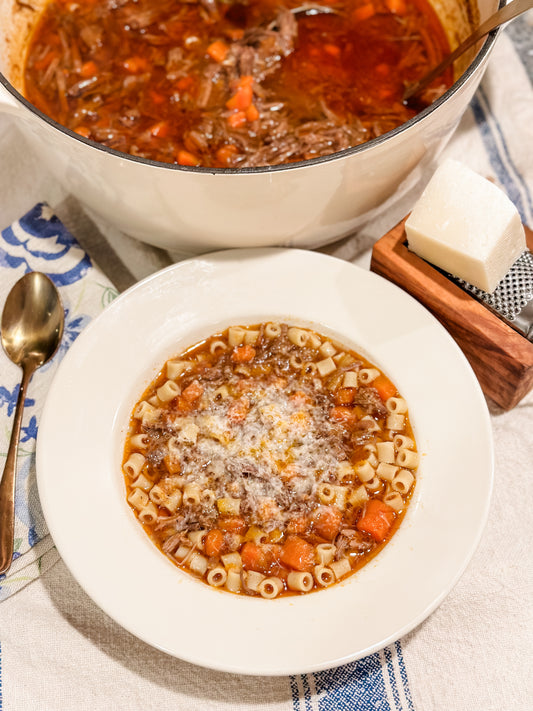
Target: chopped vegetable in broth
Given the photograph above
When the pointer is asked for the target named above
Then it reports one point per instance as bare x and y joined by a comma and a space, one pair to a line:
231, 84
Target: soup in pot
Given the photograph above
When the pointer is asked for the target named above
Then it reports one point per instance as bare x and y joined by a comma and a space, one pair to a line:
231, 84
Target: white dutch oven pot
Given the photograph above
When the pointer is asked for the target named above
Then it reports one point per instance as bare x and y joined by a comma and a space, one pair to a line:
304, 204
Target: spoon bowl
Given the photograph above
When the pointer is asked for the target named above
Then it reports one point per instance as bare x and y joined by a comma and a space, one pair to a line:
31, 331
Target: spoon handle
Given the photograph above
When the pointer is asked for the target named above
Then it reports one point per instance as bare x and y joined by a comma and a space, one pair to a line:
7, 484
505, 14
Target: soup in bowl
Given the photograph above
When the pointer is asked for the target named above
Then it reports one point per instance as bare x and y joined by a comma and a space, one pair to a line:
193, 125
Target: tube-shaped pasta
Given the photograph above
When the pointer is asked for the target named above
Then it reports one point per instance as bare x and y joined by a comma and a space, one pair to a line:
403, 481
358, 496
253, 580
148, 514
168, 391
350, 379
176, 367
235, 335
208, 497
256, 534
191, 494
323, 575
341, 492
231, 561
272, 330
221, 393
139, 441
340, 567
251, 336
198, 563
395, 422
270, 588
298, 336
233, 581
401, 441
301, 582
142, 482
296, 361
138, 499
327, 349
325, 552
394, 500
157, 495
345, 471
173, 501
365, 472
197, 538
372, 425
326, 367
386, 471
406, 458
396, 404
374, 484
385, 451
229, 506
325, 493
134, 464
217, 577
313, 341
367, 375
189, 433
217, 347
310, 368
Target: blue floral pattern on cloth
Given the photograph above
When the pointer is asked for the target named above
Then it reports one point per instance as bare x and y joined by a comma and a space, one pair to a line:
40, 242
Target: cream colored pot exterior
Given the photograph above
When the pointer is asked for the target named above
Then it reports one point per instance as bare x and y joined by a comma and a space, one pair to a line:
194, 210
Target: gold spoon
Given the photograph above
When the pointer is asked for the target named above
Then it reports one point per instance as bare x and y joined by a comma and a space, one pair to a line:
507, 13
32, 328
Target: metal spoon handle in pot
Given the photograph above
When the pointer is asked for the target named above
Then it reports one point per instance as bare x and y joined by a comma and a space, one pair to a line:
7, 484
505, 14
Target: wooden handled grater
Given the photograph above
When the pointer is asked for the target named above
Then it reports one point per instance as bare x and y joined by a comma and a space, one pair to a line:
500, 353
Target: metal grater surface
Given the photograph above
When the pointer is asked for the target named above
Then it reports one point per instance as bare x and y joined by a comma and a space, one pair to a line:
512, 299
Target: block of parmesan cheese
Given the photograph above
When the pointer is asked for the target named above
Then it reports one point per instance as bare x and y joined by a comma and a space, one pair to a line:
467, 226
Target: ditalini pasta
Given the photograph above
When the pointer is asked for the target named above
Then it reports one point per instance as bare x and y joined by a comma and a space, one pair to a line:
270, 460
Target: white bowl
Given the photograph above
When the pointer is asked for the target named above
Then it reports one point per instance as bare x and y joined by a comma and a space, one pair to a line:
303, 204
82, 491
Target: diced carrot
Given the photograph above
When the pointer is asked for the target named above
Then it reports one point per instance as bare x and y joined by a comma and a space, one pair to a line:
226, 153
172, 464
300, 398
187, 158
333, 50
214, 542
252, 113
193, 391
327, 521
382, 69
136, 65
297, 524
343, 415
246, 80
398, 7
364, 12
243, 353
234, 524
235, 33
297, 554
185, 83
344, 396
88, 69
156, 97
237, 119
160, 129
256, 557
385, 388
376, 520
84, 131
242, 98
238, 409
218, 50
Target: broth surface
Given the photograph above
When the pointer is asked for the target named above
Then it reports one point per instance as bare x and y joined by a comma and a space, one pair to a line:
233, 84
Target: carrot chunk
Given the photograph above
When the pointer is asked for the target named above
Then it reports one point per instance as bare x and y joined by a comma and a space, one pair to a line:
242, 98
344, 396
364, 12
238, 409
214, 542
88, 69
243, 354
327, 521
234, 524
398, 7
160, 129
225, 154
376, 520
252, 114
218, 50
237, 119
186, 158
297, 554
344, 415
193, 391
135, 65
385, 388
257, 557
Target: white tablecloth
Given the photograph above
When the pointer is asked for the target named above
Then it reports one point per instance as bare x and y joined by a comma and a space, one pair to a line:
58, 651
